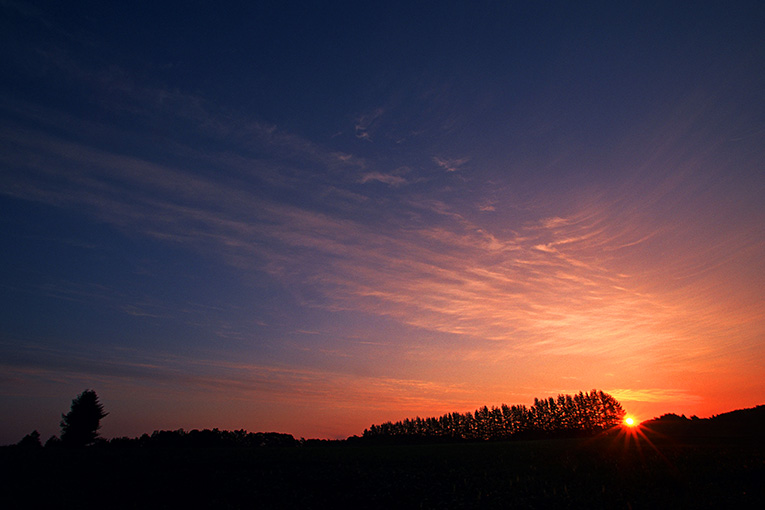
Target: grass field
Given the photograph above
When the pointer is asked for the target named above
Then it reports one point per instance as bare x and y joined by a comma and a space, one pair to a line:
604, 472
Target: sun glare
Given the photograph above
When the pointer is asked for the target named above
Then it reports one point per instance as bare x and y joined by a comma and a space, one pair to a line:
629, 421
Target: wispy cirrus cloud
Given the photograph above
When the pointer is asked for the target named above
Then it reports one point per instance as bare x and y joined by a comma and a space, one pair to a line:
559, 285
654, 395
239, 380
486, 206
449, 164
365, 122
390, 179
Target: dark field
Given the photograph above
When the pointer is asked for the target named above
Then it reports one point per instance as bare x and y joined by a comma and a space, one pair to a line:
603, 472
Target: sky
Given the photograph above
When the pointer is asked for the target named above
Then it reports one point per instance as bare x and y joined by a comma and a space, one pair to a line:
310, 217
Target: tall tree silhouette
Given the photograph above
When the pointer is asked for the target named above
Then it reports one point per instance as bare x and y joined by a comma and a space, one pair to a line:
79, 427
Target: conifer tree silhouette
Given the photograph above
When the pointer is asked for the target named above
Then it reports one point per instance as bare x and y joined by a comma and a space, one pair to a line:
79, 427
31, 440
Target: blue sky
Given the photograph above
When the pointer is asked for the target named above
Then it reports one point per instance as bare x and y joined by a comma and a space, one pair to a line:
310, 218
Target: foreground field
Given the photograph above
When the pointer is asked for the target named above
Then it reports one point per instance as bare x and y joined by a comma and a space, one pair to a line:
605, 472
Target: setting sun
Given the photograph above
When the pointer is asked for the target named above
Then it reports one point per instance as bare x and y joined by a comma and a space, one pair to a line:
629, 421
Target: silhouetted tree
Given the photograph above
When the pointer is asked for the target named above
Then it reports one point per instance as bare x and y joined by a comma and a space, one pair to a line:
79, 427
31, 440
52, 442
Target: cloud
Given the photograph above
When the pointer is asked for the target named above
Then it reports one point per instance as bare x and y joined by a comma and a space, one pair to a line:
239, 381
578, 274
486, 206
655, 395
393, 180
450, 165
559, 280
364, 124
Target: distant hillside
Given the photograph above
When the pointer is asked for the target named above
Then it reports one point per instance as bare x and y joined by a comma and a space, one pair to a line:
742, 423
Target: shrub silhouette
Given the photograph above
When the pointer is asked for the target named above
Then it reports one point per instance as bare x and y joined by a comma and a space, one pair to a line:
79, 427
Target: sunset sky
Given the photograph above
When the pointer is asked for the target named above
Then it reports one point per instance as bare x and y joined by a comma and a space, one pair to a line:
309, 217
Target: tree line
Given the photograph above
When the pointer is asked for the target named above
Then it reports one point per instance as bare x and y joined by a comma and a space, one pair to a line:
80, 426
583, 413
206, 438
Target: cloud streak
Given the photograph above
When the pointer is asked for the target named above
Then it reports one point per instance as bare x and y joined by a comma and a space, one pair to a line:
561, 285
450, 165
239, 381
365, 123
390, 179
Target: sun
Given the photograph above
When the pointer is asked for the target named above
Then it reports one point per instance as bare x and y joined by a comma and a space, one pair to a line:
629, 421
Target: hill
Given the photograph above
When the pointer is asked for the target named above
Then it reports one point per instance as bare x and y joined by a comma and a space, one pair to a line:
745, 424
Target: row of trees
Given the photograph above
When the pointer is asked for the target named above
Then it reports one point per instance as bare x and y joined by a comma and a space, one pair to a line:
79, 427
581, 413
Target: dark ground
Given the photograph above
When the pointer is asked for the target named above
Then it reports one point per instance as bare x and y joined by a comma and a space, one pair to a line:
603, 472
